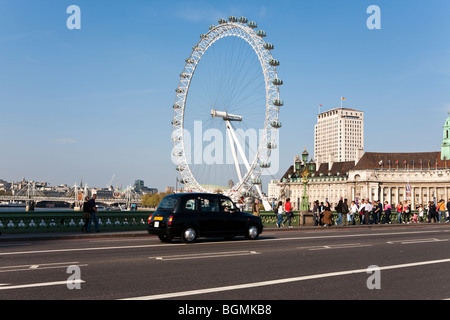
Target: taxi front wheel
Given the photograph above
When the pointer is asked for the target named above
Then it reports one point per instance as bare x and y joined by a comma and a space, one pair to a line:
252, 232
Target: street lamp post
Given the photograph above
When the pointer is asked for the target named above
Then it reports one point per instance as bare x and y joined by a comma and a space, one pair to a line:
305, 169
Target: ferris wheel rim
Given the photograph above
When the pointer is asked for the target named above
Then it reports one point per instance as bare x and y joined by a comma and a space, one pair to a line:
268, 67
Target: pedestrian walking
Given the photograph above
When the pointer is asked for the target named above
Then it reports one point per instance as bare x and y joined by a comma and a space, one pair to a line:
321, 211
94, 217
365, 209
441, 210
421, 212
288, 210
345, 211
406, 211
377, 212
352, 212
387, 212
279, 213
374, 212
338, 209
86, 214
432, 213
255, 208
241, 204
316, 213
399, 212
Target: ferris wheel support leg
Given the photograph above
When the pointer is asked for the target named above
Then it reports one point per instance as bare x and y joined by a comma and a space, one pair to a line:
233, 149
266, 204
238, 145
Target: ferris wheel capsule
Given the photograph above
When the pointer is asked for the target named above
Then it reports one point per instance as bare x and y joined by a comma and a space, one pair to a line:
277, 82
275, 124
278, 102
257, 181
232, 19
265, 165
222, 21
268, 46
243, 20
253, 24
261, 33
272, 146
274, 62
246, 194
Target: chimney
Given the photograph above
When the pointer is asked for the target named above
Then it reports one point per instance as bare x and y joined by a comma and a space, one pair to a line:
359, 154
330, 161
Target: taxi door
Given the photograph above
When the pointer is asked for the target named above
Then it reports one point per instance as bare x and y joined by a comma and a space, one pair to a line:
211, 219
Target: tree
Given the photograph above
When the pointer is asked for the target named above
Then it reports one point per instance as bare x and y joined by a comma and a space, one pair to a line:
152, 200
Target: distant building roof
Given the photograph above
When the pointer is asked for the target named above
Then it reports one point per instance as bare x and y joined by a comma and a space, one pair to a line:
378, 160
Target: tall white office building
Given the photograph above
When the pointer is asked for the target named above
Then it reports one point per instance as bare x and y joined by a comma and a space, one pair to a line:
339, 136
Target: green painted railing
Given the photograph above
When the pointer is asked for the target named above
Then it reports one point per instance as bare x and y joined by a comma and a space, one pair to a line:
60, 221
26, 222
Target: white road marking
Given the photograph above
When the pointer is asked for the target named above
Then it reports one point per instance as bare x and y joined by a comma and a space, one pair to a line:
205, 255
280, 281
40, 266
413, 241
336, 246
42, 284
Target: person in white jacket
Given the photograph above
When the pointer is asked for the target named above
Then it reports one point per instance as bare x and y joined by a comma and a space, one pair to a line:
366, 207
352, 212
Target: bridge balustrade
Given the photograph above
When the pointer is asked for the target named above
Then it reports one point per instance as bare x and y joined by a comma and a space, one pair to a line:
43, 221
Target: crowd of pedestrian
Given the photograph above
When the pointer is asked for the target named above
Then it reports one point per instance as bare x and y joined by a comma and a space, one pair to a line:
366, 212
376, 212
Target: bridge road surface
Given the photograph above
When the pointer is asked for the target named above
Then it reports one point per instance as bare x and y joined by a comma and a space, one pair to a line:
292, 264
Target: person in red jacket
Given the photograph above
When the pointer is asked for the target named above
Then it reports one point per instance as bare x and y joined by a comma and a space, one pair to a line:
289, 212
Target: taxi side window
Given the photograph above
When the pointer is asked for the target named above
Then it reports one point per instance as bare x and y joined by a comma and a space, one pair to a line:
190, 205
209, 205
227, 205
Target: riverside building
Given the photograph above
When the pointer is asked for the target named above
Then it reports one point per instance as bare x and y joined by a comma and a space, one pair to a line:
394, 177
339, 135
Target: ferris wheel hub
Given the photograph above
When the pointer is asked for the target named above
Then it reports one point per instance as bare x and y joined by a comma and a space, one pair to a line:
225, 115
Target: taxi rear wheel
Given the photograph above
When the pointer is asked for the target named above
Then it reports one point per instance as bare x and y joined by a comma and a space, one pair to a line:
189, 235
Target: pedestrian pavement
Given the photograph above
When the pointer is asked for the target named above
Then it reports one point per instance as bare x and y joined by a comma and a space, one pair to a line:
142, 233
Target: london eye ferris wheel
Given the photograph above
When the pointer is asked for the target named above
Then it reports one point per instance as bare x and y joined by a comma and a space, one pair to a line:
226, 117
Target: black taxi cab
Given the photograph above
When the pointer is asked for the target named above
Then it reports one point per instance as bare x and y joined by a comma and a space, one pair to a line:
189, 216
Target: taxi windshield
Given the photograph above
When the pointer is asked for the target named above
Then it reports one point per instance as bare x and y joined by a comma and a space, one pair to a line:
168, 203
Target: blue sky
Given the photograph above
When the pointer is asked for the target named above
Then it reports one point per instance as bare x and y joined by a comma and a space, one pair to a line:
87, 104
